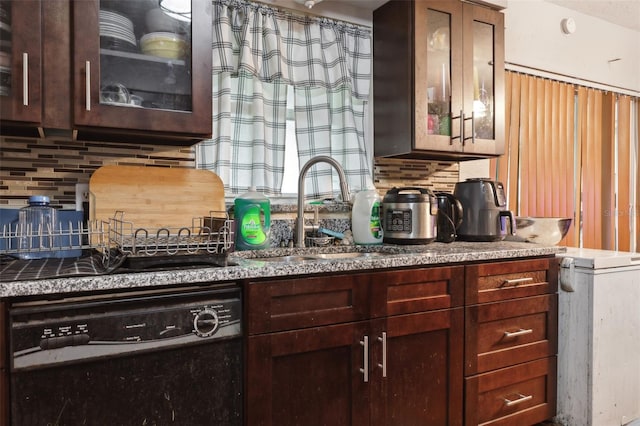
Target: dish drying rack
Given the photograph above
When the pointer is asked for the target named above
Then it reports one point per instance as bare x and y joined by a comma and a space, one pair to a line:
207, 239
212, 234
68, 236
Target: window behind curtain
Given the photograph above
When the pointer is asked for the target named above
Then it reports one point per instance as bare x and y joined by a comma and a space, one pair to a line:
572, 152
276, 50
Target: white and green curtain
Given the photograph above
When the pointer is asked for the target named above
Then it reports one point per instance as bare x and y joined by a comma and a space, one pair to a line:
259, 53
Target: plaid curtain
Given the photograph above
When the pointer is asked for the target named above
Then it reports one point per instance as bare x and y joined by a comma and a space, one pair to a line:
258, 52
331, 123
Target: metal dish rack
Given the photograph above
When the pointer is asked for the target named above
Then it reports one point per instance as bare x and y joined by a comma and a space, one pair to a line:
17, 240
212, 235
207, 238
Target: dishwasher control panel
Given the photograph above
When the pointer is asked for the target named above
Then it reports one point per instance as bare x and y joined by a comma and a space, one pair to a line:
85, 329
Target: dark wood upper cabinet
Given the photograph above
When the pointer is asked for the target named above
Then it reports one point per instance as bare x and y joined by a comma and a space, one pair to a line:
438, 76
100, 83
20, 62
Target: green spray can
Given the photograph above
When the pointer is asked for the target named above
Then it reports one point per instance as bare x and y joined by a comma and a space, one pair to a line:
252, 215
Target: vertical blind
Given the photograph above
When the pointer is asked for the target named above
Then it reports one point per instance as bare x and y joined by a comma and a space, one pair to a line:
572, 152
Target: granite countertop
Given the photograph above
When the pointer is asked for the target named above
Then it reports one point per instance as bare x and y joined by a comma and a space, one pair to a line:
248, 265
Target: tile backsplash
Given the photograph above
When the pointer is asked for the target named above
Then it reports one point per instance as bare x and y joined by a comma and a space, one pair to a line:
434, 175
53, 167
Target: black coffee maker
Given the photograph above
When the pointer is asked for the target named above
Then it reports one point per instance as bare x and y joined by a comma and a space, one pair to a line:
449, 217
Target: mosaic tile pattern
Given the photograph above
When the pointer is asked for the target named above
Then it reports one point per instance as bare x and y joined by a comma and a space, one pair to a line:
52, 167
435, 175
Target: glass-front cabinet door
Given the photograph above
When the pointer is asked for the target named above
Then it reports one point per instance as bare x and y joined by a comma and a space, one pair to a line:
143, 65
20, 62
438, 75
459, 75
483, 40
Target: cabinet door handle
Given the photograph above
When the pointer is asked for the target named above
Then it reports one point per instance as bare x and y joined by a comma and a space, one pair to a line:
473, 128
87, 85
25, 79
516, 281
461, 136
383, 339
365, 354
522, 398
521, 332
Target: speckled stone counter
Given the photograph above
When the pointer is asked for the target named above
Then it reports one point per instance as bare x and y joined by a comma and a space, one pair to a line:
257, 264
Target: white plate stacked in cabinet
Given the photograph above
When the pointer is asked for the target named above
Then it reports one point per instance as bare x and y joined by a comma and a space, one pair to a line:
599, 338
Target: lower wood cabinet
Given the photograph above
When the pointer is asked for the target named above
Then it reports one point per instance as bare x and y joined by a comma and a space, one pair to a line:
472, 344
4, 367
523, 394
511, 342
308, 377
400, 369
423, 372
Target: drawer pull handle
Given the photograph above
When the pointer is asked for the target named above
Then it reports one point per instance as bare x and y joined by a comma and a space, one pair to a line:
365, 353
521, 332
383, 339
516, 281
522, 398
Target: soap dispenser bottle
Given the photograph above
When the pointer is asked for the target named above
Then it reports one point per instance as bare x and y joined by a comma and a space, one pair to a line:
365, 218
252, 215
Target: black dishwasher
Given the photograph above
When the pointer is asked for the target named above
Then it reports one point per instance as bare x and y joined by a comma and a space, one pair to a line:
144, 358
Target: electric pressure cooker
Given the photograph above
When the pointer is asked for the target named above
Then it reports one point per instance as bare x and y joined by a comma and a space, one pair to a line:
485, 216
409, 216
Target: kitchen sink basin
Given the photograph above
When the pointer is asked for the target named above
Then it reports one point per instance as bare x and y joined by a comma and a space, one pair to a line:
318, 256
350, 255
288, 258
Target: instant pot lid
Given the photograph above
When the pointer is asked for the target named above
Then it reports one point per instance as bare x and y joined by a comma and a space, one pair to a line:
408, 195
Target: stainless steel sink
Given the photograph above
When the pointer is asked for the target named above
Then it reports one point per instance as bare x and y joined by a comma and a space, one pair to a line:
289, 258
350, 255
318, 256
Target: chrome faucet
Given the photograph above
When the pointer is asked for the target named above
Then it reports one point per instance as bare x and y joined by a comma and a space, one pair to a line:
344, 188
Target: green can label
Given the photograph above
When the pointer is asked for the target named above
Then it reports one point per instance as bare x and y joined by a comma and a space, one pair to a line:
374, 222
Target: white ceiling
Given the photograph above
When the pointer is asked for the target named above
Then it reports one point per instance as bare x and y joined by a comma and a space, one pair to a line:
625, 13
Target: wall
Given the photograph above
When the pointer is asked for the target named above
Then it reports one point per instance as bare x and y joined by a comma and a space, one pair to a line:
598, 51
533, 39
53, 167
535, 44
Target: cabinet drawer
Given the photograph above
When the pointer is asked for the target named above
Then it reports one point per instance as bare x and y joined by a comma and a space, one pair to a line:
306, 302
524, 394
416, 290
490, 282
501, 334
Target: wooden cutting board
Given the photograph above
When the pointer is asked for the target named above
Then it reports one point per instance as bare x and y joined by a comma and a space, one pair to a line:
155, 197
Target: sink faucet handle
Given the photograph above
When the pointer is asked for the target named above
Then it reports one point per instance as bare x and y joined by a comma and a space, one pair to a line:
316, 215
